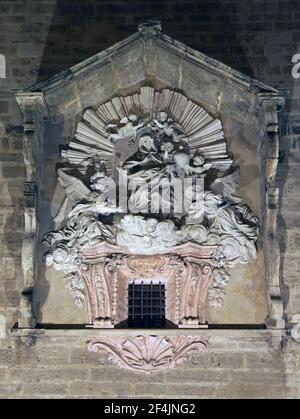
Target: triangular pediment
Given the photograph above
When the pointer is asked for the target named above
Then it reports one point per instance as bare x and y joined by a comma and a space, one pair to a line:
154, 49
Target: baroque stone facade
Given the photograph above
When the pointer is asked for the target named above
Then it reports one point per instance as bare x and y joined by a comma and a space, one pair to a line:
244, 353
167, 159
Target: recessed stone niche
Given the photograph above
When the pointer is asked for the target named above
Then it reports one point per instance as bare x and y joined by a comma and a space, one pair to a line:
155, 118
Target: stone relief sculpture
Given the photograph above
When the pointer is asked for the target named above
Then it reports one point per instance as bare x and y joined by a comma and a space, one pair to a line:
149, 354
162, 149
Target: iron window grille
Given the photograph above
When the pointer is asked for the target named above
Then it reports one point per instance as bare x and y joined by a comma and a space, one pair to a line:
146, 305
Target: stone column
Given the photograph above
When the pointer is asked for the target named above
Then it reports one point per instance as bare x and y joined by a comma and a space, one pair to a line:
33, 109
275, 318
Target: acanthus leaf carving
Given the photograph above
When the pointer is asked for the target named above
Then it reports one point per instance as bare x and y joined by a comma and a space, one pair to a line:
75, 285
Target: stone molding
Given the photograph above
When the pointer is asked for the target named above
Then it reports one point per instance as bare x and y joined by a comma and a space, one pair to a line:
152, 33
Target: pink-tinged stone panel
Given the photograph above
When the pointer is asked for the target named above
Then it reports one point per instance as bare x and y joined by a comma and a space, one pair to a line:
148, 354
186, 272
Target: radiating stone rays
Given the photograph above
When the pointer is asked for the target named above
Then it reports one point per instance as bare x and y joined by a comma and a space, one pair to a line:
203, 132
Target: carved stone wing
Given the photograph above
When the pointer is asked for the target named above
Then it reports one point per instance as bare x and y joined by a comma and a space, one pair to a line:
227, 186
74, 188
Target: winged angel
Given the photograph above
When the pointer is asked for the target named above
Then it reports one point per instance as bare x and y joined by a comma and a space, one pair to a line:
83, 223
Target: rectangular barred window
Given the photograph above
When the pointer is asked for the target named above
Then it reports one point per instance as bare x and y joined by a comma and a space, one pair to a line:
146, 305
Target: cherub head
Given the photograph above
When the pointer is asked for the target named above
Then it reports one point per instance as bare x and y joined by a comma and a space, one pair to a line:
182, 160
49, 259
167, 147
127, 223
99, 182
151, 225
134, 119
212, 204
199, 159
146, 144
162, 117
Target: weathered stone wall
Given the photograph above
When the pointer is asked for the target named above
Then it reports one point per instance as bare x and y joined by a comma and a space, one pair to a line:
241, 365
40, 38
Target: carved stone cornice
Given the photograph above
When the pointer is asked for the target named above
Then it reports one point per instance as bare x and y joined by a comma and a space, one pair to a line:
151, 32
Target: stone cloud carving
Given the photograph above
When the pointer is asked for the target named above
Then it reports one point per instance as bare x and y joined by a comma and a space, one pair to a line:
146, 174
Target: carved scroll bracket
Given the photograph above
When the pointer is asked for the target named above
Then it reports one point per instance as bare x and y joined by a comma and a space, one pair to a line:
33, 108
196, 281
272, 248
101, 282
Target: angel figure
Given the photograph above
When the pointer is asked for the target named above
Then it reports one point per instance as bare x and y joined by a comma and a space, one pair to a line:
126, 130
199, 165
80, 199
75, 191
102, 201
183, 166
163, 124
83, 224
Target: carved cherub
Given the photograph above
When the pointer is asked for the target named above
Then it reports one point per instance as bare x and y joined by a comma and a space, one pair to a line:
162, 123
126, 130
83, 224
199, 165
183, 166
